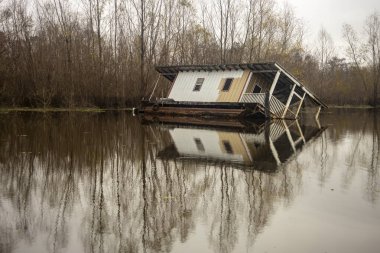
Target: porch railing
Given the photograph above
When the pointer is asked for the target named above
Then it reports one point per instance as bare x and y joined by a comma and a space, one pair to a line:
276, 106
253, 98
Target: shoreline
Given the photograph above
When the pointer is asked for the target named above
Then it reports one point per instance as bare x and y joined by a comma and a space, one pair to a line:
352, 107
100, 110
52, 109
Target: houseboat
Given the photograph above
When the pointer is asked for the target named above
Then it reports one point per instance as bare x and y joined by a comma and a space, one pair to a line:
257, 90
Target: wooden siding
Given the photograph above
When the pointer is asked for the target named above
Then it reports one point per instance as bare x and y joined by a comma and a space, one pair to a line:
184, 84
236, 89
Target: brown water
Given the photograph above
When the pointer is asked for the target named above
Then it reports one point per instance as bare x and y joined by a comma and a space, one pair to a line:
85, 182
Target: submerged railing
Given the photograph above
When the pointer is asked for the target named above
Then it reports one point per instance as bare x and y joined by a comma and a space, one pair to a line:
276, 107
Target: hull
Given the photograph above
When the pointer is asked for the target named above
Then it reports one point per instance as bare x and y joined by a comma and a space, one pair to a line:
203, 109
232, 124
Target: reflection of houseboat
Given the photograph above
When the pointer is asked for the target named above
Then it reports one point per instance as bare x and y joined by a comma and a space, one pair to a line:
255, 90
262, 147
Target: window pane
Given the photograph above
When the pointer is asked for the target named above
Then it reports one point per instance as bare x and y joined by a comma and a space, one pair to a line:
197, 87
200, 81
198, 84
227, 84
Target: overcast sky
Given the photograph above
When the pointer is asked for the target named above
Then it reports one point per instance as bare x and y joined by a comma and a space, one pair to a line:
332, 14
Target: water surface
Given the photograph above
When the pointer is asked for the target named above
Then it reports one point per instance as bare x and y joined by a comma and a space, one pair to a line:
110, 182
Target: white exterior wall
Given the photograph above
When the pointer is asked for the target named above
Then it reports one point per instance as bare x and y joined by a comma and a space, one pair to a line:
185, 144
184, 84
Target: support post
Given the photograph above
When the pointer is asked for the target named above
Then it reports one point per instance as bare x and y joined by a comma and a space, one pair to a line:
154, 89
273, 86
289, 100
300, 132
318, 123
299, 107
267, 105
290, 138
318, 111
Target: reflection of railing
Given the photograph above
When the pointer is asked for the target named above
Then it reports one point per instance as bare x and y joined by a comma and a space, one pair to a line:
276, 106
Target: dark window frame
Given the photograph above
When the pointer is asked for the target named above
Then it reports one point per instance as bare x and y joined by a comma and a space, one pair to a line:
198, 84
227, 84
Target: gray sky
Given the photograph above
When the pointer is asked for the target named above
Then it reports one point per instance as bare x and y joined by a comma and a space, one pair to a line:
332, 14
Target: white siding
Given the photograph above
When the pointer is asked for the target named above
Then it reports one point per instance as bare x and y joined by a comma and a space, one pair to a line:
184, 84
184, 141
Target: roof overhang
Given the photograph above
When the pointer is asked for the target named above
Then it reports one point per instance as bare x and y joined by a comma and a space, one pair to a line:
267, 69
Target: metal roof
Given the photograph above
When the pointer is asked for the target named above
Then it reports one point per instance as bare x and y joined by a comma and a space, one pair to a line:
266, 69
170, 72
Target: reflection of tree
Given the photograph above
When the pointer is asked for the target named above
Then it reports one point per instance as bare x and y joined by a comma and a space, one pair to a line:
350, 172
356, 127
55, 169
101, 171
373, 169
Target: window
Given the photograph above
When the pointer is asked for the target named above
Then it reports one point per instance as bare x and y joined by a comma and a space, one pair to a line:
257, 89
198, 84
228, 147
199, 145
227, 84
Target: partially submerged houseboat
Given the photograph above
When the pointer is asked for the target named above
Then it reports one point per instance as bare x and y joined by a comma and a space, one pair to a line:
258, 90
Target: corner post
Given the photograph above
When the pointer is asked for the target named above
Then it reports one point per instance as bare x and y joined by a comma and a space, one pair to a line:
273, 86
246, 86
289, 100
154, 89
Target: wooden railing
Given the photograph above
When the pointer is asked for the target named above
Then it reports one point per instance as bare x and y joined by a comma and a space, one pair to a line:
253, 98
276, 106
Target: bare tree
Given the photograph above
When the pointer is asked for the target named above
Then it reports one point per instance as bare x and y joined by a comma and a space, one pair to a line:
354, 52
83, 53
373, 46
324, 53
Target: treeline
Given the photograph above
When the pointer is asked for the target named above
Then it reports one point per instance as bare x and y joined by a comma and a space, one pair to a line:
102, 52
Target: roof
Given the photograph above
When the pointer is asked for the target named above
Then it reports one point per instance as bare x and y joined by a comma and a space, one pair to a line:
170, 72
267, 69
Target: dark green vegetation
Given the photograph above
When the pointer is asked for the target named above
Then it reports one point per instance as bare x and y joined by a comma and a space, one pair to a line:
102, 53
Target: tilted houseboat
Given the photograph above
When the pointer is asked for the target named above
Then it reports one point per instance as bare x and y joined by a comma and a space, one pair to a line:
255, 90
